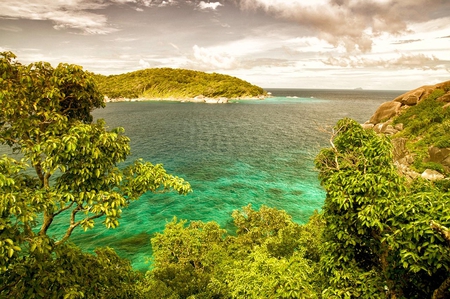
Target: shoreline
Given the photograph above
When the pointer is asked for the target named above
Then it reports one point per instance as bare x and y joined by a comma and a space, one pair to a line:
197, 99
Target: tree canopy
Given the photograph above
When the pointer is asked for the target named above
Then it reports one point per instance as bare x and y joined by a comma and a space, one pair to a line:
378, 235
68, 172
176, 83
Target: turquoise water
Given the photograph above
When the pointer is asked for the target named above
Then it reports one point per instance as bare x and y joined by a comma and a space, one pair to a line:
258, 152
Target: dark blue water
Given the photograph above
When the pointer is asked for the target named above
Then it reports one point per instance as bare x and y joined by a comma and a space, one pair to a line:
253, 151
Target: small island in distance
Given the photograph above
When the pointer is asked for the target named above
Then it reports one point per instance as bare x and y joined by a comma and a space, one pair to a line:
176, 85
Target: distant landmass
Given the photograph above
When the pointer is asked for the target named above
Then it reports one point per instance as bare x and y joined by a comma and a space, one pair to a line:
176, 84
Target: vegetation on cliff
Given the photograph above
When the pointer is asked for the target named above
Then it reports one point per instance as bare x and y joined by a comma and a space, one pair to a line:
426, 125
377, 236
175, 83
418, 123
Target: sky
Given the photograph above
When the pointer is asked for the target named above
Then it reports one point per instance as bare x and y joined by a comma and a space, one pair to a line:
330, 44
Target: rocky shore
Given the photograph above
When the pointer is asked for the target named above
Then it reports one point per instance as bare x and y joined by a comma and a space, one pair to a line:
197, 99
382, 122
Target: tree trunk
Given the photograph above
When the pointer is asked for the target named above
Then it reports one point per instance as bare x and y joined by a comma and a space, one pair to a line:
442, 291
48, 219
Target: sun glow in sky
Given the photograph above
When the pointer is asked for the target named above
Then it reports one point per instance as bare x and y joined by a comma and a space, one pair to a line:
372, 44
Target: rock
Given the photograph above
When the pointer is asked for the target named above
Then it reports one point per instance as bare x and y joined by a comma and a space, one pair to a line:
437, 154
211, 101
445, 98
367, 126
385, 111
398, 127
222, 100
400, 151
378, 128
440, 156
432, 175
390, 130
197, 100
410, 98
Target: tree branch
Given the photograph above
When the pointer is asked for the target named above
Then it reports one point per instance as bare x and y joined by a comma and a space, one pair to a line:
442, 291
64, 209
440, 229
74, 224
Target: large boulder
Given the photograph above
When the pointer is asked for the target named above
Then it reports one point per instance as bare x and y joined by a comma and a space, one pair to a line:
432, 175
386, 111
445, 98
411, 98
439, 155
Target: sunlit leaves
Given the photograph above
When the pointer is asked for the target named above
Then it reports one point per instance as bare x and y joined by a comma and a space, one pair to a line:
264, 259
69, 175
377, 223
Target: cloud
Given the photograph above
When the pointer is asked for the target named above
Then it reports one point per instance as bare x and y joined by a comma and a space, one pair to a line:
75, 14
351, 24
144, 64
213, 59
11, 28
266, 62
403, 61
209, 5
407, 41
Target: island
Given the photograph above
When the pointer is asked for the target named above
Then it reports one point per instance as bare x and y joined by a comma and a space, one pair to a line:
176, 85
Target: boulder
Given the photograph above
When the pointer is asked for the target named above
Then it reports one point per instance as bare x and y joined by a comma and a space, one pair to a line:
367, 126
390, 130
432, 175
437, 154
399, 127
410, 98
399, 148
386, 111
445, 98
211, 101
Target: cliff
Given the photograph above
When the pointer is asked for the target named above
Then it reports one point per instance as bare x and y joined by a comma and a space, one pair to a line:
418, 122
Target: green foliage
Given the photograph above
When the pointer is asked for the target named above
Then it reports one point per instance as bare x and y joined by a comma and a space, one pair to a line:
261, 275
176, 83
70, 273
377, 236
68, 173
263, 259
378, 242
426, 124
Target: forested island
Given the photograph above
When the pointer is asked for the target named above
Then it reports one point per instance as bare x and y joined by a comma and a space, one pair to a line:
381, 233
175, 84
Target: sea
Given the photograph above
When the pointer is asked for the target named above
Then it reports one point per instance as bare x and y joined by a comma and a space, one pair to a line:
258, 152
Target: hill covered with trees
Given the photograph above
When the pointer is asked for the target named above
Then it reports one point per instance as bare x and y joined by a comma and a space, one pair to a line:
380, 234
175, 83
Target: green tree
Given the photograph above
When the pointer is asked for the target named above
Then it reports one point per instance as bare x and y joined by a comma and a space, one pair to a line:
187, 257
262, 259
378, 242
69, 170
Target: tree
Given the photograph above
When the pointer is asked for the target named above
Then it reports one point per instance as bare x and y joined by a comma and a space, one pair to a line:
69, 167
378, 242
187, 258
262, 259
